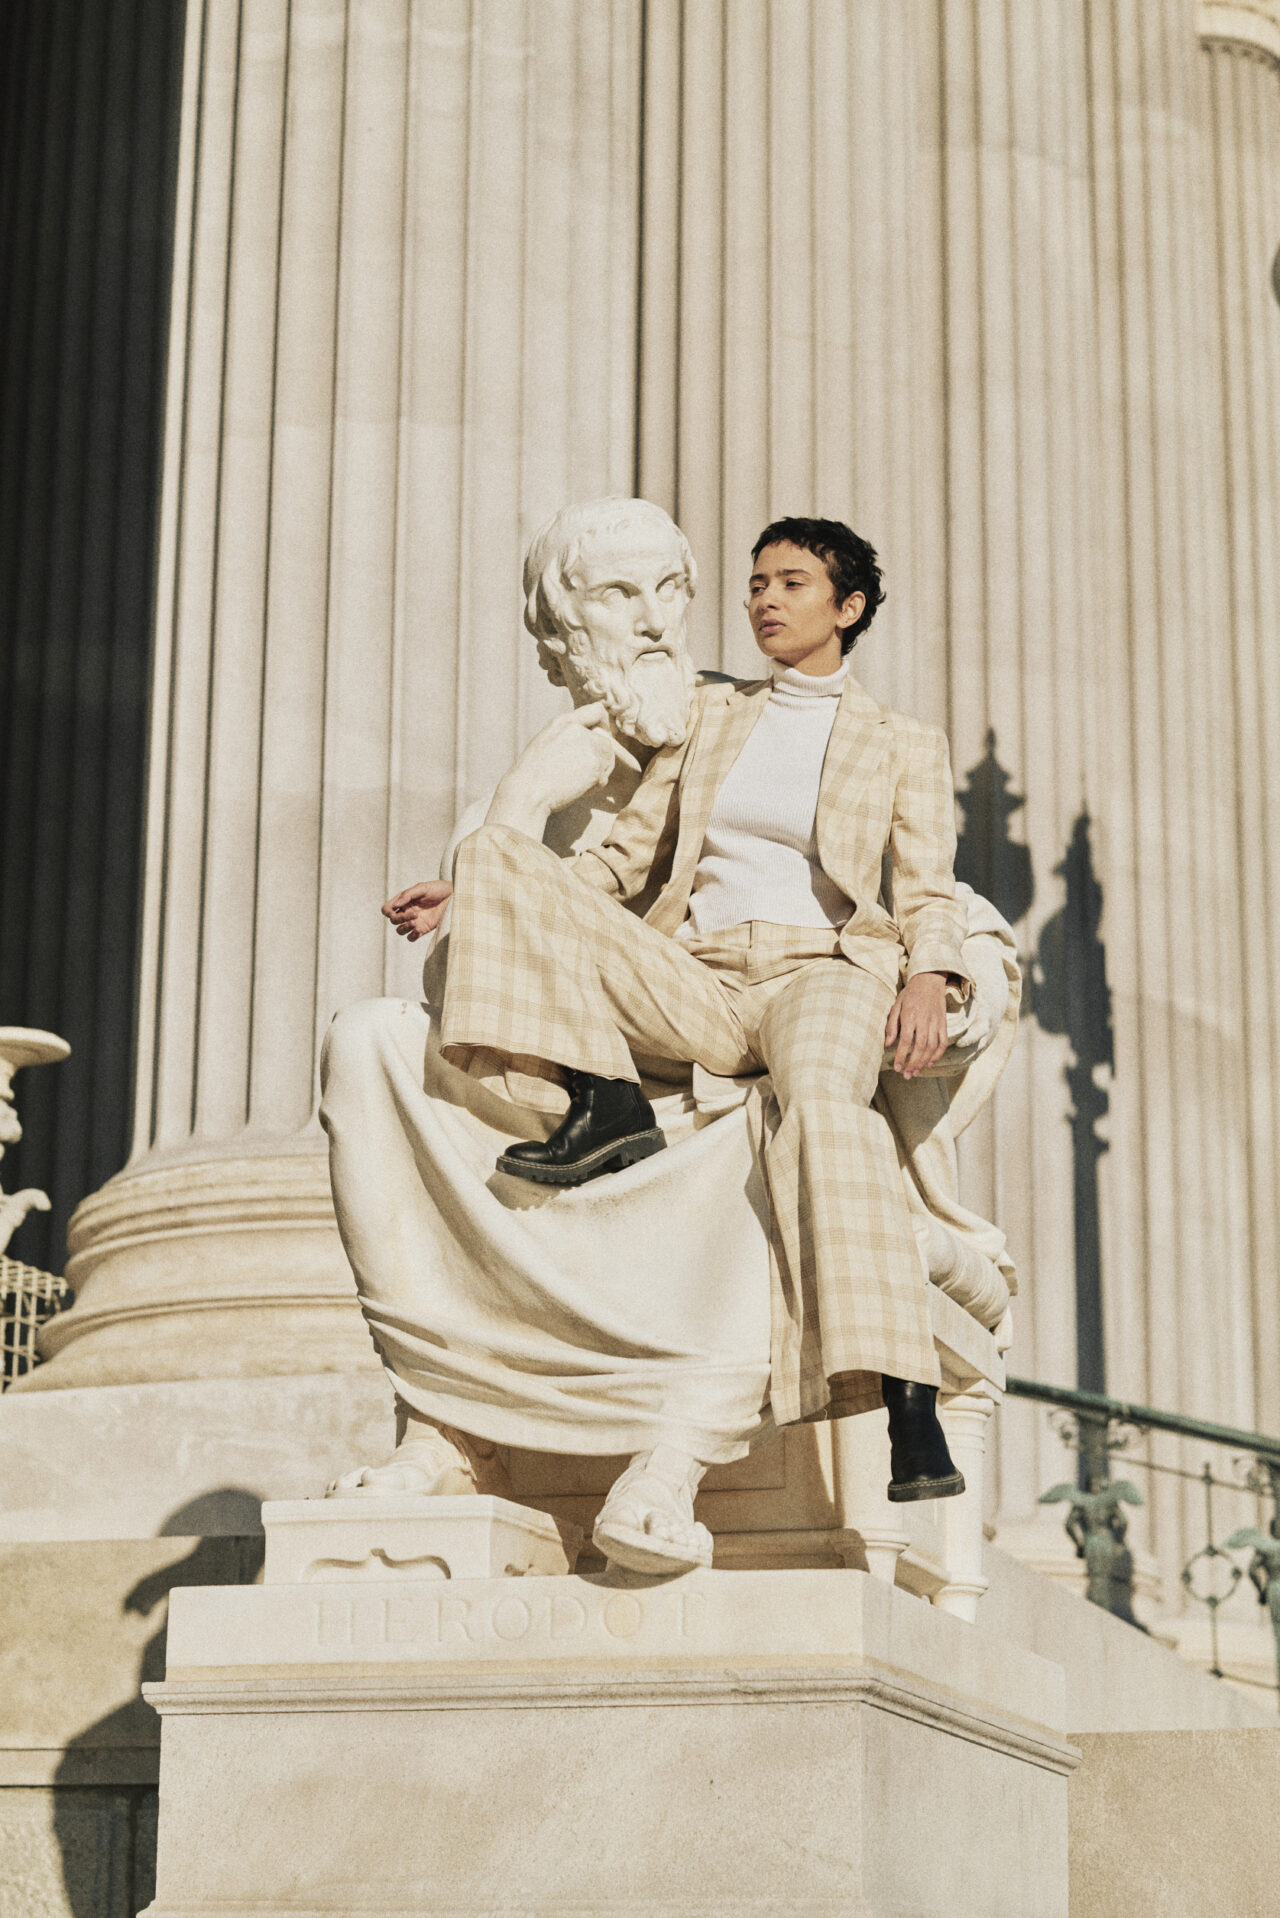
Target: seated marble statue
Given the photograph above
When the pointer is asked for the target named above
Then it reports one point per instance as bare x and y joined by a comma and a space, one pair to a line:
665, 1156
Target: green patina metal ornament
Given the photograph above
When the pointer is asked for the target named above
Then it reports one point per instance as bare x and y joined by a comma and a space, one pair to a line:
1097, 1527
1264, 1572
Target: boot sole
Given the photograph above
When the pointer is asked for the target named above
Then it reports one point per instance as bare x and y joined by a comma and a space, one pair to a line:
639, 1552
914, 1488
605, 1158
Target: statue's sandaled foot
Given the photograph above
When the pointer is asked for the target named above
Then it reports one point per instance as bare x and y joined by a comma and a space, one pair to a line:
428, 1460
646, 1524
920, 1464
610, 1124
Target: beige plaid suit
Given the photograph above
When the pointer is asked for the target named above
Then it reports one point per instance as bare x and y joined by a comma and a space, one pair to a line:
548, 972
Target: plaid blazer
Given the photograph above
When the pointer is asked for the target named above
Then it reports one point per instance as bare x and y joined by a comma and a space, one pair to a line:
885, 790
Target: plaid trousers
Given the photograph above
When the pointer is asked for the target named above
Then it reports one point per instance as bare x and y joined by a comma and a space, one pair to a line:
548, 972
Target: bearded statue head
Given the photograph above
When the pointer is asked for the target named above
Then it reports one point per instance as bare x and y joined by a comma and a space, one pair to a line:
607, 589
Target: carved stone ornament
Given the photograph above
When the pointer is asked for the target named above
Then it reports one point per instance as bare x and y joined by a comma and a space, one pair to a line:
333, 1541
1251, 25
21, 1046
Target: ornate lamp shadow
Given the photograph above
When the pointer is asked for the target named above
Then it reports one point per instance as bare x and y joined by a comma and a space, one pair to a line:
1068, 995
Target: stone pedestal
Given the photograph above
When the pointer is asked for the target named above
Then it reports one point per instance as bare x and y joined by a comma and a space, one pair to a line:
367, 1537
722, 1743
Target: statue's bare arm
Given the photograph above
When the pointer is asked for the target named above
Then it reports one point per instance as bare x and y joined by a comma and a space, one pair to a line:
572, 755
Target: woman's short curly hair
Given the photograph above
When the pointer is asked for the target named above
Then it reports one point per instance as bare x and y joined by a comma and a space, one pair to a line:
850, 561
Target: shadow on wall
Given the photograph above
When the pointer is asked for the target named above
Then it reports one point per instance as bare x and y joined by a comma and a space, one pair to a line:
107, 1835
987, 857
1068, 996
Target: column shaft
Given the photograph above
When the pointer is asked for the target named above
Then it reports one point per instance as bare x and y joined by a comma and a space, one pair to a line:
404, 333
1020, 414
790, 227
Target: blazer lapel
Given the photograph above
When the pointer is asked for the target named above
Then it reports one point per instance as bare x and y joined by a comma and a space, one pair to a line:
722, 733
859, 739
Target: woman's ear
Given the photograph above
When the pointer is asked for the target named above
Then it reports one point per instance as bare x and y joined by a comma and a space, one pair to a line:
851, 612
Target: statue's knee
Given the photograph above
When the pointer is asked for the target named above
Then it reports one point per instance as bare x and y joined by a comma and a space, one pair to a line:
354, 1033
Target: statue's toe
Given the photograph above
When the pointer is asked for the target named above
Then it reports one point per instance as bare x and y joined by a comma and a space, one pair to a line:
428, 1465
676, 1531
647, 1525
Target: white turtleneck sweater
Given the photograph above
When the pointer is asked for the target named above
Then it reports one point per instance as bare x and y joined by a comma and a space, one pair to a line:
760, 855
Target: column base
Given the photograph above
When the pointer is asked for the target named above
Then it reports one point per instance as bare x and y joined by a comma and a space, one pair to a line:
206, 1268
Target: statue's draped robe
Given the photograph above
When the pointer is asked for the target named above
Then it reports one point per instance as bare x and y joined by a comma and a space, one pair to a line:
633, 1310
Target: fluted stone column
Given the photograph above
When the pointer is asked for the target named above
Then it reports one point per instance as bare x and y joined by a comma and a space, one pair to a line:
1242, 61
1238, 101
868, 291
1173, 390
403, 334
1025, 611
791, 351
1190, 1263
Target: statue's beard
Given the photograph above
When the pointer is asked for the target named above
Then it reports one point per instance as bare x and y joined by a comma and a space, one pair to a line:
649, 701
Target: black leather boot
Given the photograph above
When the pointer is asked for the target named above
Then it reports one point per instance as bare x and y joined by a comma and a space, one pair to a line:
609, 1124
920, 1465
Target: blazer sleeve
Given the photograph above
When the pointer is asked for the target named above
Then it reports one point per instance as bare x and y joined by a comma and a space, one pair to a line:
644, 833
922, 843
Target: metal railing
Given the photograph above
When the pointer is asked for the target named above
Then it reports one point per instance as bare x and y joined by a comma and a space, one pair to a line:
28, 1297
1096, 1427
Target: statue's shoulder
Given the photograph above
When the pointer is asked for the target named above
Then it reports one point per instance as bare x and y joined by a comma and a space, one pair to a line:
708, 678
717, 689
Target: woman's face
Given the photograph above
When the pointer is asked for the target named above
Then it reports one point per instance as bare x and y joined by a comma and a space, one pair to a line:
792, 607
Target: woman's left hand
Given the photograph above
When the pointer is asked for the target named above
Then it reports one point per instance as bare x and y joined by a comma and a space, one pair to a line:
917, 1025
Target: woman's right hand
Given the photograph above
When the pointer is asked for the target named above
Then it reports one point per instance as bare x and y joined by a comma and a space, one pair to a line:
419, 909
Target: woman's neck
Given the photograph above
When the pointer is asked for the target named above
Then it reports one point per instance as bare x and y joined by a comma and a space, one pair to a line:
799, 685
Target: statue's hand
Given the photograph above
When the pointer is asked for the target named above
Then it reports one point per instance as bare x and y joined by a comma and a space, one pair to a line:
571, 756
419, 909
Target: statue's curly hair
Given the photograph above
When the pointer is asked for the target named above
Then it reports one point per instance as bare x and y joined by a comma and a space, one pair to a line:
553, 553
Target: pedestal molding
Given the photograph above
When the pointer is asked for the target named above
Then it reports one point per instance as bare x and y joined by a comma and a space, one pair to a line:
740, 1685
733, 1907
